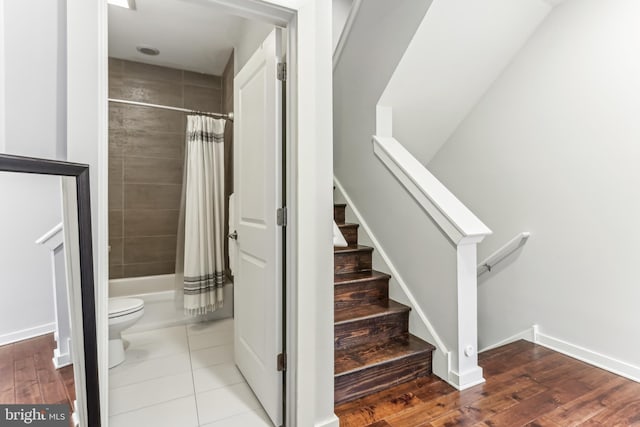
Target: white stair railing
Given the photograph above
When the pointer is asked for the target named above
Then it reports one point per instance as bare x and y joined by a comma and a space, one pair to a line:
54, 241
460, 226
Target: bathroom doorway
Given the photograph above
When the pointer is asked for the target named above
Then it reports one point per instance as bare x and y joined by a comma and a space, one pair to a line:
169, 61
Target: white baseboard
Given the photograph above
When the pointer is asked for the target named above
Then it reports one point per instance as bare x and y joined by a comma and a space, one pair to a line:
528, 335
60, 360
27, 333
591, 357
467, 379
331, 422
605, 362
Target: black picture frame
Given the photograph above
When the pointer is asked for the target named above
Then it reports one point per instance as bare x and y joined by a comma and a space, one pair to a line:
10, 163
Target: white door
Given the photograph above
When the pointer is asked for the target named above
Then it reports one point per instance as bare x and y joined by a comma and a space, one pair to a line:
257, 187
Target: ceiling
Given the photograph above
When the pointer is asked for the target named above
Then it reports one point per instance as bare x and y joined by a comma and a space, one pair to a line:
190, 35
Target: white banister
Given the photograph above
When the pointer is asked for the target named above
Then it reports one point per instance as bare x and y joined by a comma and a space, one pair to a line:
457, 221
460, 226
54, 241
510, 247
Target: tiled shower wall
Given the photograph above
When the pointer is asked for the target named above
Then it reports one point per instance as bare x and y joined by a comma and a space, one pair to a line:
146, 154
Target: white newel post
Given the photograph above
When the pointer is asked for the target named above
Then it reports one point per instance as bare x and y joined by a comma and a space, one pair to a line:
465, 361
54, 241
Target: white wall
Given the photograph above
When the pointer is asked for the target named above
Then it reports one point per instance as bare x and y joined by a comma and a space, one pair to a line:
33, 126
34, 60
553, 149
414, 244
460, 48
251, 37
340, 12
26, 298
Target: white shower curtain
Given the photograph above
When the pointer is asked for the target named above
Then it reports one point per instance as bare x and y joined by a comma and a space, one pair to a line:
200, 251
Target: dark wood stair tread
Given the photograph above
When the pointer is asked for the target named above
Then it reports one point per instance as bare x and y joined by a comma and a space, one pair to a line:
358, 248
368, 311
367, 355
348, 225
359, 276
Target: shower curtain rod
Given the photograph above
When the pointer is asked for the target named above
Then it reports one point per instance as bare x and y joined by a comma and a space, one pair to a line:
228, 116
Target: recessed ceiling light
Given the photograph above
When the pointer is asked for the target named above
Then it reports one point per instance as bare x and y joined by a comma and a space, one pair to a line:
147, 50
127, 4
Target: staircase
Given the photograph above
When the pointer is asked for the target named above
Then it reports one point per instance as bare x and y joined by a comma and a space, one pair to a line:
373, 347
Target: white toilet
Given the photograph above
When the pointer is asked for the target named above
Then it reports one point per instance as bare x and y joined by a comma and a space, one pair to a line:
123, 313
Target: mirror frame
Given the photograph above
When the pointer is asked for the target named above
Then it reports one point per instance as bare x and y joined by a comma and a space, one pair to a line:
10, 163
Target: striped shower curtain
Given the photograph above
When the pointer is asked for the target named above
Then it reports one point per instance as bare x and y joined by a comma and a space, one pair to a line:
200, 260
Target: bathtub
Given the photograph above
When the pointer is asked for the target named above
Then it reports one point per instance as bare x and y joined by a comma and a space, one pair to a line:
159, 307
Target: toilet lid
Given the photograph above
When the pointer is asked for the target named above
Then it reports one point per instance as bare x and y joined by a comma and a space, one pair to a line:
124, 306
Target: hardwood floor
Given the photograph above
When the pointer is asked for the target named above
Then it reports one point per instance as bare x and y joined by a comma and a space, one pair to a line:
526, 385
27, 374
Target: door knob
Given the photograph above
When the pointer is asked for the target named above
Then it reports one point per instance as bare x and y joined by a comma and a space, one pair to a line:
233, 235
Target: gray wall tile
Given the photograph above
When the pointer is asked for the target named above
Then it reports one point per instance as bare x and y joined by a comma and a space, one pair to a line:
203, 99
115, 254
147, 170
154, 92
200, 79
149, 249
138, 70
116, 196
116, 224
150, 222
153, 144
149, 269
146, 157
152, 196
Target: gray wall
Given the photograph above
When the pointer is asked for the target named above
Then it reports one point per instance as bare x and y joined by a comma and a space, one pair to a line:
553, 149
378, 39
146, 155
34, 125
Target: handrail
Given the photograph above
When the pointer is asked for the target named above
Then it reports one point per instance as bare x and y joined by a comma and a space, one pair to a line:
453, 217
55, 232
499, 255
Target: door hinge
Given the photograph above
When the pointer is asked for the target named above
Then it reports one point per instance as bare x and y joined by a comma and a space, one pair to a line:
281, 216
282, 362
282, 71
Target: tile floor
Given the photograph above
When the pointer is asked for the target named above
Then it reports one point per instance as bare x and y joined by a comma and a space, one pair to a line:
182, 376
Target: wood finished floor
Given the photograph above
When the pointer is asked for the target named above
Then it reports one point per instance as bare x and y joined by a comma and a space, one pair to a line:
526, 385
27, 374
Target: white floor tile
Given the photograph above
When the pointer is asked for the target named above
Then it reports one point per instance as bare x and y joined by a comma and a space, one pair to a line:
256, 418
131, 373
213, 338
140, 395
180, 412
217, 376
212, 356
141, 346
225, 402
204, 327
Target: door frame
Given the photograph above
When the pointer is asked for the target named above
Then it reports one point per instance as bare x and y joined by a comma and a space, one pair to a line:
309, 171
